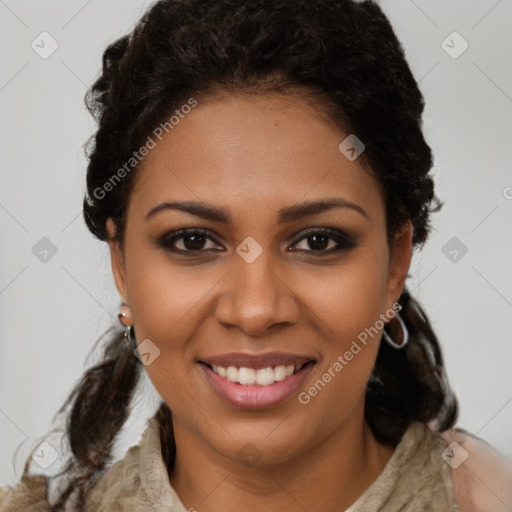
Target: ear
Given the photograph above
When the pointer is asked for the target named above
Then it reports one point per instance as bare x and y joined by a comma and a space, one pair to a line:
117, 261
400, 260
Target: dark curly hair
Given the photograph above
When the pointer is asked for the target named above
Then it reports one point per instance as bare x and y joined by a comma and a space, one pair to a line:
341, 54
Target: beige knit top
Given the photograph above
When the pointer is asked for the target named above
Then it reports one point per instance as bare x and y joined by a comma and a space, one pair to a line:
425, 473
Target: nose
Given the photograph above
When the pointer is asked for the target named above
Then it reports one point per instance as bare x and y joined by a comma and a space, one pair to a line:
256, 297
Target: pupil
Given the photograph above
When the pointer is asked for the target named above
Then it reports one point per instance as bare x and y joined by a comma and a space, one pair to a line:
318, 245
197, 241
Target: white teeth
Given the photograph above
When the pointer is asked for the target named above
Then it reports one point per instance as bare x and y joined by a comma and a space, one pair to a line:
263, 377
280, 373
232, 374
246, 376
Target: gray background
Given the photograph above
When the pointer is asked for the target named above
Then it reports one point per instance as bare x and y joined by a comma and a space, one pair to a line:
52, 312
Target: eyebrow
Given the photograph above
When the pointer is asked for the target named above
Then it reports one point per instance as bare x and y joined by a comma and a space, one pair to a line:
287, 214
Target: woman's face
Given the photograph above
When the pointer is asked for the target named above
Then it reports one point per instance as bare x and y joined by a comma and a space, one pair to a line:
261, 279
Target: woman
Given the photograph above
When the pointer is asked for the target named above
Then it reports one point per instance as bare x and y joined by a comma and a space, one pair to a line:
260, 175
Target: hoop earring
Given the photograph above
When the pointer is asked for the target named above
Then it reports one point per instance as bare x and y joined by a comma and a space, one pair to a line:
392, 343
129, 337
129, 333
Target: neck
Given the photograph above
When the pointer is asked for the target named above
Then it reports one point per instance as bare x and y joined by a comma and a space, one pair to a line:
329, 476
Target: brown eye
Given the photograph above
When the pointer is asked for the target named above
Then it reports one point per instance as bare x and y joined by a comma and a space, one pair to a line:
318, 242
325, 241
193, 242
187, 240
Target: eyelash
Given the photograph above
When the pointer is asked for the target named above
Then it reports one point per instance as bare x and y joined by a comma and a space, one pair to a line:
344, 242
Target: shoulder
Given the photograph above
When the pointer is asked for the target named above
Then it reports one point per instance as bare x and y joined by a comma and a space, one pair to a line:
124, 483
118, 484
482, 477
28, 495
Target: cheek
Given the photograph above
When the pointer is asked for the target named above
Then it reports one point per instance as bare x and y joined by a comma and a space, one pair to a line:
166, 312
349, 344
164, 305
349, 298
347, 308
164, 296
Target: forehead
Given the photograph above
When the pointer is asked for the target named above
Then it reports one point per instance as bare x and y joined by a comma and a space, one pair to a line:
252, 153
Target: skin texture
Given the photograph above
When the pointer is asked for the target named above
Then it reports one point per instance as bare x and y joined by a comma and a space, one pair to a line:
253, 156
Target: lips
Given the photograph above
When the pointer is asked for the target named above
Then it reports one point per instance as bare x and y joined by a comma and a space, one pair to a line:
256, 380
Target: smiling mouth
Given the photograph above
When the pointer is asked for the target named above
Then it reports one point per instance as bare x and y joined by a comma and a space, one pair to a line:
257, 377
